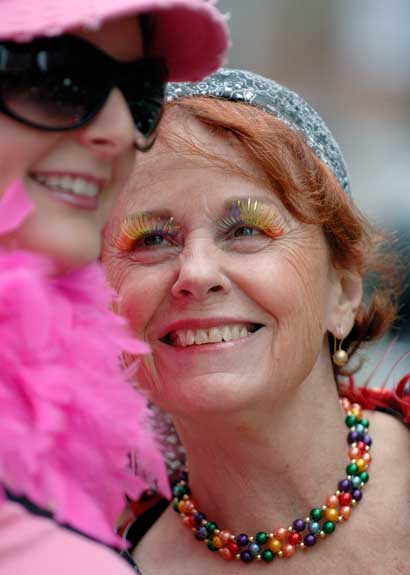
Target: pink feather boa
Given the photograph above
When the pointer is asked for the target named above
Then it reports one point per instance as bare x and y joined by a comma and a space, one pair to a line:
68, 416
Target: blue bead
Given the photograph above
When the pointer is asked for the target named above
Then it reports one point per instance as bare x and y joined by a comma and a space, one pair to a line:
360, 428
356, 481
254, 548
314, 527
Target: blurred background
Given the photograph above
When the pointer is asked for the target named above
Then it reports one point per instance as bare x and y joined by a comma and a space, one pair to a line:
351, 61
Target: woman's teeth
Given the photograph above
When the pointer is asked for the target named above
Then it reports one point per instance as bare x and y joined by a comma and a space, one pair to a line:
184, 338
76, 186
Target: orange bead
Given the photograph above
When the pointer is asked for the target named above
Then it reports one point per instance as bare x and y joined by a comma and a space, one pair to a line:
275, 545
281, 533
217, 541
345, 512
226, 553
332, 514
289, 550
181, 506
225, 536
367, 458
332, 501
189, 506
361, 464
354, 452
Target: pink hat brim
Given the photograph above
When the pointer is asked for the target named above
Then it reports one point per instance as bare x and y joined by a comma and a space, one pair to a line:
191, 34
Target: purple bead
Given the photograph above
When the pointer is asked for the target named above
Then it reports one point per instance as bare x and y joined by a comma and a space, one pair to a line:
367, 440
352, 437
299, 525
182, 475
309, 540
199, 517
345, 485
357, 495
246, 556
242, 540
201, 533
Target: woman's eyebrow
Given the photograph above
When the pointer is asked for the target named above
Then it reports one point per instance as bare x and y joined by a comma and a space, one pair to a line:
157, 213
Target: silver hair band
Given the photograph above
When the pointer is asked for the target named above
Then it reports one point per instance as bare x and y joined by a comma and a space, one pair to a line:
289, 107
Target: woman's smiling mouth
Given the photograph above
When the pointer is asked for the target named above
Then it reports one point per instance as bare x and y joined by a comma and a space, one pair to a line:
215, 334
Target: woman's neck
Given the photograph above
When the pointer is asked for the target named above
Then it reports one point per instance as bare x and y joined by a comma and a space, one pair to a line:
258, 471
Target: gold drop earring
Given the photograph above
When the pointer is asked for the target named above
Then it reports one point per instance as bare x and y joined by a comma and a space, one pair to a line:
339, 357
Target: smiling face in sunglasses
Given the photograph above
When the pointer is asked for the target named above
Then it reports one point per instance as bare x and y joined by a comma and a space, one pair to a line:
72, 111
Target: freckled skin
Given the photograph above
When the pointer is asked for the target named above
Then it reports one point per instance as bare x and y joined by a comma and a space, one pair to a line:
285, 283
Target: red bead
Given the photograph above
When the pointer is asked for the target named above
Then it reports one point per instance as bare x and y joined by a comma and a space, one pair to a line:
362, 446
345, 498
281, 533
295, 538
288, 550
226, 553
225, 536
233, 547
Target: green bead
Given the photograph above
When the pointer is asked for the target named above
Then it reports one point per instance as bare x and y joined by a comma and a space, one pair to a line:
364, 476
352, 469
211, 546
175, 506
350, 420
365, 422
267, 555
261, 537
316, 514
329, 527
210, 527
181, 490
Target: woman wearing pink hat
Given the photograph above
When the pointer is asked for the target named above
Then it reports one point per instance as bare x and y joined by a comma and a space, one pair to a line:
81, 86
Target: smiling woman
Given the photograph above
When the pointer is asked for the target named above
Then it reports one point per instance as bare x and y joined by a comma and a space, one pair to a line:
81, 87
239, 257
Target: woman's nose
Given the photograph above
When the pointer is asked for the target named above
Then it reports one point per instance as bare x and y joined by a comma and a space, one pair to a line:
112, 131
199, 275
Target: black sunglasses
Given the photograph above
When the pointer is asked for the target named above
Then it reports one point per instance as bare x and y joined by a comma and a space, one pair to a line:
60, 84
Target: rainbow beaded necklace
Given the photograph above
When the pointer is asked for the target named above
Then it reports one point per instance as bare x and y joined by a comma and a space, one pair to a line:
303, 533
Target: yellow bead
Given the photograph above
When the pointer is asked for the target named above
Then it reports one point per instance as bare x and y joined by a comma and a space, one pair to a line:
275, 545
357, 411
361, 464
332, 514
181, 506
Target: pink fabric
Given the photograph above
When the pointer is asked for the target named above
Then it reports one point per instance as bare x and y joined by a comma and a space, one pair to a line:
191, 34
31, 545
68, 416
15, 207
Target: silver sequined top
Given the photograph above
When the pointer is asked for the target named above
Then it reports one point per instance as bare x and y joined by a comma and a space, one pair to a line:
243, 86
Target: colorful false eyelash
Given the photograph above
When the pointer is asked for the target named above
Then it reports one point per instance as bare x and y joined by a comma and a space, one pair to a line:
255, 214
137, 226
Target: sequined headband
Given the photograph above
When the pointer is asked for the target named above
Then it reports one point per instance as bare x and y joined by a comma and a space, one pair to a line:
289, 107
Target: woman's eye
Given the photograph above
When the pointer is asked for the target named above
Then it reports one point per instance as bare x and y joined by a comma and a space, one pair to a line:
245, 231
153, 240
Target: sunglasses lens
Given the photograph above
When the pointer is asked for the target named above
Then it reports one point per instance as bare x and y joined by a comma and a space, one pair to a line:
49, 102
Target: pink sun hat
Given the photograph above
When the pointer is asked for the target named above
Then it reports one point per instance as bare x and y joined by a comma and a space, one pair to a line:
192, 35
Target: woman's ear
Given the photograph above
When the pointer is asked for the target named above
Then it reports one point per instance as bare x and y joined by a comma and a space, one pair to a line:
346, 297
